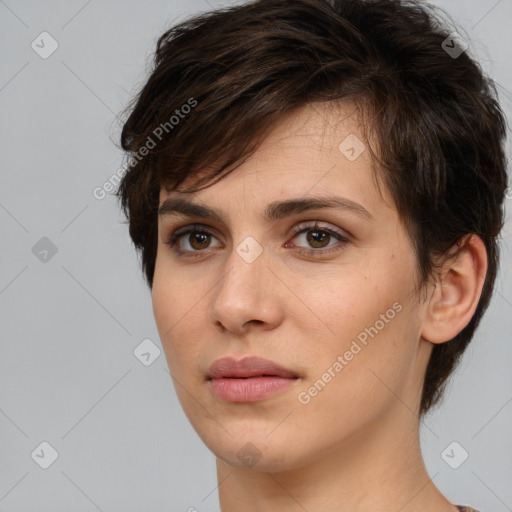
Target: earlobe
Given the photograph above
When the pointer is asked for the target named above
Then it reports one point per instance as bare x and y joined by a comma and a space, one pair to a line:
457, 291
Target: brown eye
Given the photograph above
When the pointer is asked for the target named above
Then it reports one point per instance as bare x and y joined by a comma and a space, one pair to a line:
198, 240
318, 238
201, 239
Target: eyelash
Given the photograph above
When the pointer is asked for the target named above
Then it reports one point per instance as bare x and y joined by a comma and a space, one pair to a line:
174, 237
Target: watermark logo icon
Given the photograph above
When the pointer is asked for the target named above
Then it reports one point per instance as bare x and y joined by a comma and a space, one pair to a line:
44, 455
44, 250
249, 455
352, 147
249, 249
454, 455
44, 45
147, 352
454, 45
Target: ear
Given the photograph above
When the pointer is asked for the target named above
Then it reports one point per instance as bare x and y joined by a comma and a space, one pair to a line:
457, 291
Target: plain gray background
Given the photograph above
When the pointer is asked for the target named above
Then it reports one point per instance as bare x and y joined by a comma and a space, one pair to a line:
70, 321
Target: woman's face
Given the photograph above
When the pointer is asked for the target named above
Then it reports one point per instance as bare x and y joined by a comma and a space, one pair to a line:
335, 304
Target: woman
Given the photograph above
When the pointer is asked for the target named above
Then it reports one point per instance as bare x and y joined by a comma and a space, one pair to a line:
316, 188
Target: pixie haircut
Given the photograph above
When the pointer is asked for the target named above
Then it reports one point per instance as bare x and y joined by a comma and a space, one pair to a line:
222, 80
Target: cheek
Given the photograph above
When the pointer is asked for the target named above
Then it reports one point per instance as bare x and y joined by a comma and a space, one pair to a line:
177, 311
163, 295
353, 383
366, 315
348, 302
173, 294
176, 307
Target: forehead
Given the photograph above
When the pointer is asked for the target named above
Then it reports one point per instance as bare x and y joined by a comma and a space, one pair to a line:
319, 150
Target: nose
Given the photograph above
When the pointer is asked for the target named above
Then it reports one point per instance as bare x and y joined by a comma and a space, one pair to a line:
247, 294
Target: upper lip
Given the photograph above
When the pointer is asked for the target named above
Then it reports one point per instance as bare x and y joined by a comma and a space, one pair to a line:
247, 367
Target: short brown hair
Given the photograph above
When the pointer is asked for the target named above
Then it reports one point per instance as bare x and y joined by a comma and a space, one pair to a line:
440, 128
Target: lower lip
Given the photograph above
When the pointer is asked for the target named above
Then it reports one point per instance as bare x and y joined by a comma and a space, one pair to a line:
248, 390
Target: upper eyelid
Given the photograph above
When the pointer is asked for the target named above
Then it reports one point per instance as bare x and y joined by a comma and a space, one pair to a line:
297, 225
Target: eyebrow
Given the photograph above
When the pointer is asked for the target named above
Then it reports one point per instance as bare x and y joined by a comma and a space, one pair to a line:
274, 211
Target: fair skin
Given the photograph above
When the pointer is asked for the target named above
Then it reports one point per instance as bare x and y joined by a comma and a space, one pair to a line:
354, 446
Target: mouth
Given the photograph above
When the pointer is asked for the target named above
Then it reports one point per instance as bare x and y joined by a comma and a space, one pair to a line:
248, 380
247, 368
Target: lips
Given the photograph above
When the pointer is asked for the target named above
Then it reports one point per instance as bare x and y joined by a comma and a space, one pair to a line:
251, 379
248, 367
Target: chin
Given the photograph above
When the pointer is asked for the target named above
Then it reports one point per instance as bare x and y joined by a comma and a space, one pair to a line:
248, 447
253, 456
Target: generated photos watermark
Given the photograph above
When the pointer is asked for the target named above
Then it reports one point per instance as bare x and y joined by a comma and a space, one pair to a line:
304, 397
151, 142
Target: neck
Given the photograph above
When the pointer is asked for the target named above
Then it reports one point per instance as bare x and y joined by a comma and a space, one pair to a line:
378, 468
